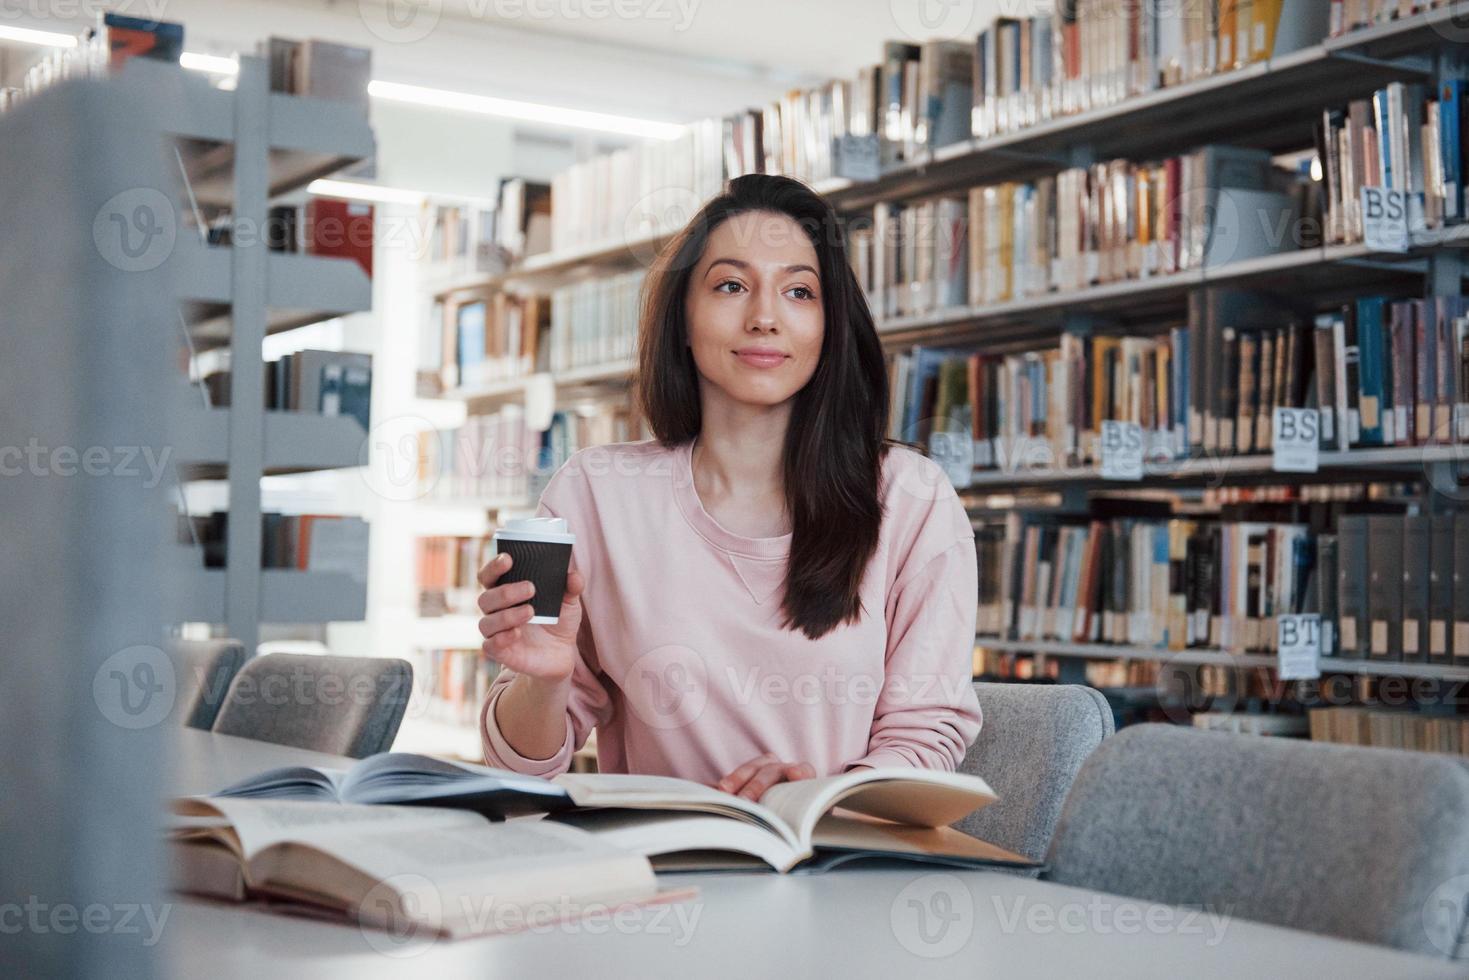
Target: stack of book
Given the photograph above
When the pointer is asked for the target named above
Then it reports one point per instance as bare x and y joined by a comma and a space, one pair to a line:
1095, 53
495, 337
1352, 15
490, 456
306, 542
1388, 586
324, 382
452, 683
1390, 729
448, 570
1381, 372
637, 192
459, 239
1406, 137
595, 322
1084, 226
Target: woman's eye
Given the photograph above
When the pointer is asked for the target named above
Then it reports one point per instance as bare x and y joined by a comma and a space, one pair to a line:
801, 292
728, 282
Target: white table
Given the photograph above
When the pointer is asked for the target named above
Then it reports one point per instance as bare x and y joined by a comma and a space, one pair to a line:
891, 923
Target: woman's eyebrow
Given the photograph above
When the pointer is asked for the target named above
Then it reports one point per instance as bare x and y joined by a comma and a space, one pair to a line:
744, 266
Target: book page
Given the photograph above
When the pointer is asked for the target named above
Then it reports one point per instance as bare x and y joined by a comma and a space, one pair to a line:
402, 777
290, 783
657, 835
919, 797
668, 793
259, 824
462, 879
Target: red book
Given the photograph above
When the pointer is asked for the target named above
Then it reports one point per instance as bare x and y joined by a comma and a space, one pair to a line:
341, 229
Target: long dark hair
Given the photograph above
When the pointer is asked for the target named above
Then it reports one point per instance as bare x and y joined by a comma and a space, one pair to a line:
834, 444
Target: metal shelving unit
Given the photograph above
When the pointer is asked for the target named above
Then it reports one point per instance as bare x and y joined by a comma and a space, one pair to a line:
239, 149
1219, 658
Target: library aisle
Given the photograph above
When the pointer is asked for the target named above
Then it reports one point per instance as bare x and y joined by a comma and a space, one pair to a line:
319, 307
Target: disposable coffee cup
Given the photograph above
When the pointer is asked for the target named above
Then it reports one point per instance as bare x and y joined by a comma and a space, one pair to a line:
540, 553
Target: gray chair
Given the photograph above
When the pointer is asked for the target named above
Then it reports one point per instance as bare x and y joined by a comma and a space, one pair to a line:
205, 669
1365, 844
1034, 739
348, 706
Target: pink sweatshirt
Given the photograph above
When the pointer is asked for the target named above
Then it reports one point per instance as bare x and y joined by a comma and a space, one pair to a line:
684, 668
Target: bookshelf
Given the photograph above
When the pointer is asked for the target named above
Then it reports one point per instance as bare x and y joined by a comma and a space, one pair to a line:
1217, 658
1273, 105
239, 150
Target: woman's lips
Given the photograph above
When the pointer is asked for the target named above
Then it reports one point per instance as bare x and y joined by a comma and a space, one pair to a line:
761, 360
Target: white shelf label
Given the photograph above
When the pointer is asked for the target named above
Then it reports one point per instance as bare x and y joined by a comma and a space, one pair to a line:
1298, 640
1122, 450
1385, 214
1296, 436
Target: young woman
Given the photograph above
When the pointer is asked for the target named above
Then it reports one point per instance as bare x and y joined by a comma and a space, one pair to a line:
768, 590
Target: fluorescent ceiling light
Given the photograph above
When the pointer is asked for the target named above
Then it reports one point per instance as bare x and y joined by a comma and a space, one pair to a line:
356, 191
526, 111
25, 35
211, 63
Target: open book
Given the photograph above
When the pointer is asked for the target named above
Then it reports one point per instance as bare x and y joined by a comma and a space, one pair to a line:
895, 812
810, 824
404, 869
406, 779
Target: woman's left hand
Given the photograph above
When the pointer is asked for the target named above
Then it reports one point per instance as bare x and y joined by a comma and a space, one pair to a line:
752, 779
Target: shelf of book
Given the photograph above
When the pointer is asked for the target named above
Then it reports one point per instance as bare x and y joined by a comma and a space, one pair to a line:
287, 596
1327, 273
302, 289
1347, 466
295, 442
1221, 658
1404, 34
1271, 104
591, 376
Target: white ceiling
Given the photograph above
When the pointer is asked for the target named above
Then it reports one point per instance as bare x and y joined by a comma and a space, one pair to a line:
673, 60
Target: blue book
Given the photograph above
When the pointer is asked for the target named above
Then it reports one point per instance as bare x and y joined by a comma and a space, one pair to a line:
1451, 149
470, 324
1371, 369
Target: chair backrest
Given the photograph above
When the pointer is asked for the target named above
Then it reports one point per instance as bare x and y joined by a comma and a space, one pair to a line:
1366, 844
348, 706
1034, 739
205, 669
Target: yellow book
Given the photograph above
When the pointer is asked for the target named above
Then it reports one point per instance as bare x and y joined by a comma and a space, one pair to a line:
1263, 23
1228, 18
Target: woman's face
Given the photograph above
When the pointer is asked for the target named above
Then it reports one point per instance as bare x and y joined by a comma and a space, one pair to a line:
755, 290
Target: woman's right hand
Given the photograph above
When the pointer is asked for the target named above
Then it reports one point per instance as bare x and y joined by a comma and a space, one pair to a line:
544, 651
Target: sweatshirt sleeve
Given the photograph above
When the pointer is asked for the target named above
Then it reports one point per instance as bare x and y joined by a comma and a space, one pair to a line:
588, 704
927, 714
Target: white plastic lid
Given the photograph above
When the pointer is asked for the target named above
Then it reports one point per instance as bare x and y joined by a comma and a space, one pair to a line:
553, 529
548, 525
